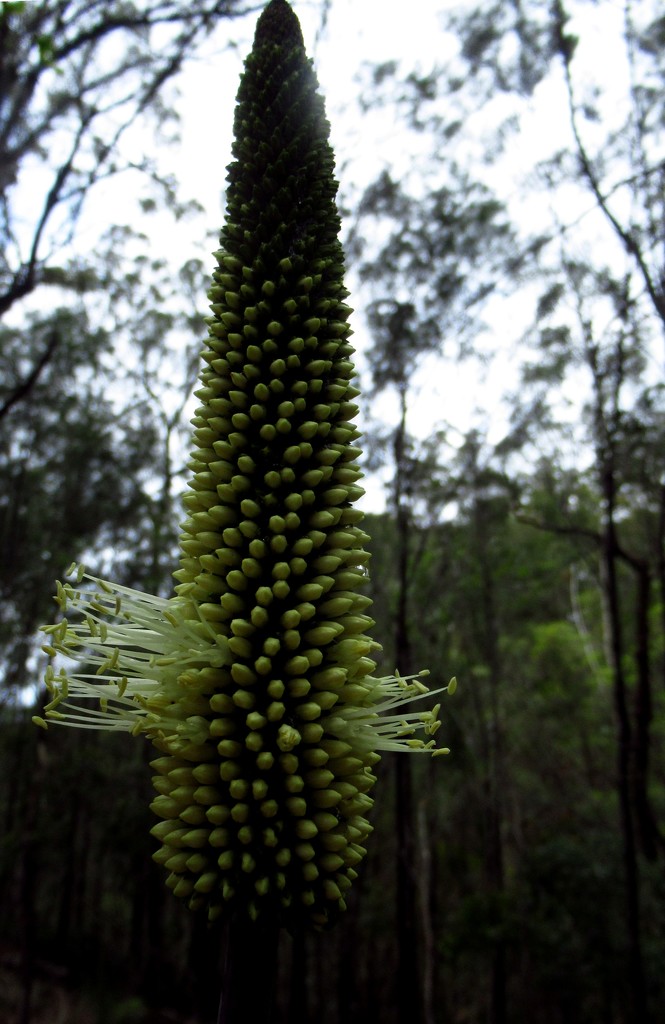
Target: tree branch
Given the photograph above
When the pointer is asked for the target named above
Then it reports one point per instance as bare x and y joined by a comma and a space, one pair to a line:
22, 389
626, 237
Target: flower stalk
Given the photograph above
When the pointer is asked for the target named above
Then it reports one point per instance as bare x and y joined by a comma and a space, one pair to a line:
255, 681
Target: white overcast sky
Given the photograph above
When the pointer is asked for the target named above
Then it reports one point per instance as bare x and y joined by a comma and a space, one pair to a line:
358, 32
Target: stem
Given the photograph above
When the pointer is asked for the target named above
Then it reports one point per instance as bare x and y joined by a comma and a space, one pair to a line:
250, 972
407, 935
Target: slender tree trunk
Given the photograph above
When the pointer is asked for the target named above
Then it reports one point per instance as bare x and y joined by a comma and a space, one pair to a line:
607, 433
408, 968
28, 879
624, 767
424, 884
69, 877
650, 838
299, 969
249, 973
409, 1009
494, 856
660, 542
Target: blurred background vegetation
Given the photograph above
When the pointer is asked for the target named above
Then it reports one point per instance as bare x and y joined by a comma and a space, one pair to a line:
521, 879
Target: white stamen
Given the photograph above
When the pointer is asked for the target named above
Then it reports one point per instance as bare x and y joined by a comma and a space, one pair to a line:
370, 728
143, 655
144, 649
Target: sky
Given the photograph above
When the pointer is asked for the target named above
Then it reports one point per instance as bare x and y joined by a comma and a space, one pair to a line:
356, 34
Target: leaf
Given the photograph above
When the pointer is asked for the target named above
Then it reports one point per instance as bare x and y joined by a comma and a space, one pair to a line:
548, 302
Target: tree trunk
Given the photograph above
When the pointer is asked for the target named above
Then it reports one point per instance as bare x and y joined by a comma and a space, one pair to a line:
424, 885
300, 961
408, 1000
624, 768
649, 834
494, 856
28, 878
249, 974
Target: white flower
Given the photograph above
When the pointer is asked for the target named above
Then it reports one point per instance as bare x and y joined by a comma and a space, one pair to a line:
381, 725
152, 659
154, 662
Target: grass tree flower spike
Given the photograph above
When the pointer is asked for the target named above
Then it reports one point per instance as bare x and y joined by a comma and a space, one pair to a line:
255, 681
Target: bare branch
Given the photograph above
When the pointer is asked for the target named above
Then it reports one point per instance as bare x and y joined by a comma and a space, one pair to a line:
77, 97
26, 385
627, 238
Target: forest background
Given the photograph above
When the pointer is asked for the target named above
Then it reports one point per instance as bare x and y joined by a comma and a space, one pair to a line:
506, 259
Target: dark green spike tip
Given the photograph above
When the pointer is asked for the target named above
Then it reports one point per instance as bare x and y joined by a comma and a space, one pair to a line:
279, 25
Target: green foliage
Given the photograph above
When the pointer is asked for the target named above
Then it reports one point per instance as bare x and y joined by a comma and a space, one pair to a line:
83, 433
61, 449
533, 711
558, 914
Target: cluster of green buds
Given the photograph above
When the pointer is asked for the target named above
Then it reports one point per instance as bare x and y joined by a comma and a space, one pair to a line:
255, 681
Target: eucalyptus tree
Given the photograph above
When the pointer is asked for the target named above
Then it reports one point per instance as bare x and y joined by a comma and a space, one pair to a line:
427, 260
597, 332
594, 288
